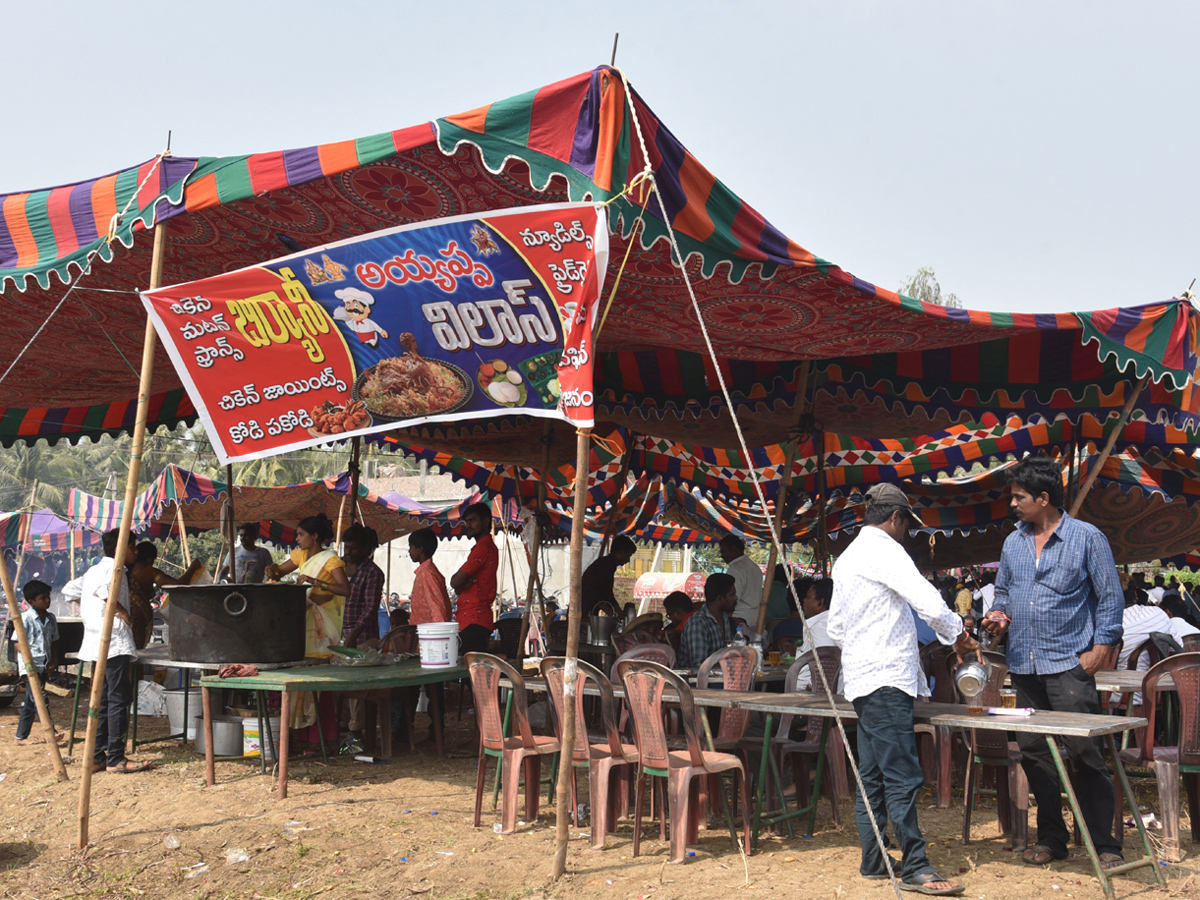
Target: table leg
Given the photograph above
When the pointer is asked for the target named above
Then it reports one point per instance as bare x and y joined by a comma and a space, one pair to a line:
262, 741
760, 788
320, 726
75, 706
437, 723
500, 759
1119, 768
185, 677
270, 736
1073, 802
210, 765
134, 672
285, 716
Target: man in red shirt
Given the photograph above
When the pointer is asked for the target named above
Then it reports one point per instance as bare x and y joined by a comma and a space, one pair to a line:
475, 582
429, 601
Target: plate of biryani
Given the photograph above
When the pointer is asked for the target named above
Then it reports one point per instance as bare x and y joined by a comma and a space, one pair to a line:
411, 386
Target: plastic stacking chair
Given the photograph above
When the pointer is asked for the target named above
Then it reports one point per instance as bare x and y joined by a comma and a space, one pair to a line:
1166, 764
737, 665
659, 653
524, 747
684, 770
1191, 643
992, 748
802, 751
609, 762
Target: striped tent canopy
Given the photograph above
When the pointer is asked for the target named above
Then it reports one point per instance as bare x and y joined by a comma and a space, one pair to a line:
885, 364
42, 532
179, 494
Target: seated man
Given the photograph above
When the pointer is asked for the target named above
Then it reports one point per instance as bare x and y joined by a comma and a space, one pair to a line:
711, 628
816, 611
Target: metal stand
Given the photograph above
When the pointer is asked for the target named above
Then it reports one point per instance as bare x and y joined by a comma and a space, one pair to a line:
1105, 876
786, 815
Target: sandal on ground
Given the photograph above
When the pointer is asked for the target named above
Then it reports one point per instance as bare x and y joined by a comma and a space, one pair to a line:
882, 874
128, 769
920, 884
1040, 854
1111, 861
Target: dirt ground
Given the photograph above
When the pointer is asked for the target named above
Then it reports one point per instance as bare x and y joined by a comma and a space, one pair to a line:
404, 829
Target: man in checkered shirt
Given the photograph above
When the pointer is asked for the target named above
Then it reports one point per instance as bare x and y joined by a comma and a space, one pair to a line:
1059, 599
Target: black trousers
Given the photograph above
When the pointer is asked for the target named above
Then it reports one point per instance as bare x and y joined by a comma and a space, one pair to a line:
28, 709
473, 639
1070, 691
114, 713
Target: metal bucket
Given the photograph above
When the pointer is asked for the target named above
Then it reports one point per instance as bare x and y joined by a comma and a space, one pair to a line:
227, 735
600, 629
237, 623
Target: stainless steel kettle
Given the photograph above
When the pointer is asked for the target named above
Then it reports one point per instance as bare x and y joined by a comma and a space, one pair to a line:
971, 677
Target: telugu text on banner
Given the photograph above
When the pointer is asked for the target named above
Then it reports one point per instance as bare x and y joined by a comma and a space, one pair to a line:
462, 318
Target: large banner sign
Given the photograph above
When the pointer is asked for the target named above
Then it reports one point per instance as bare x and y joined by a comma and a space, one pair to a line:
463, 318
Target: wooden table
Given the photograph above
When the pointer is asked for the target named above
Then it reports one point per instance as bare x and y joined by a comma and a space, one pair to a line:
1048, 723
406, 673
1121, 681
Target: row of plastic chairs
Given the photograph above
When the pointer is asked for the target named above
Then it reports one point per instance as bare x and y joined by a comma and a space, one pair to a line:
650, 688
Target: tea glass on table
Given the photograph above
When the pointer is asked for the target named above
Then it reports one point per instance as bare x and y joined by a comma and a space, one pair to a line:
1008, 699
773, 658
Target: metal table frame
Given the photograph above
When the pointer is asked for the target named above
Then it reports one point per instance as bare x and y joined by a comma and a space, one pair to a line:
1047, 723
407, 673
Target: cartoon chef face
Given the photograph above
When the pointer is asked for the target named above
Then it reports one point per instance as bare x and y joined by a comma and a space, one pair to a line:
356, 303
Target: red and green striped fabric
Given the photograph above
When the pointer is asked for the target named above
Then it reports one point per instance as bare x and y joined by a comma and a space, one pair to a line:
767, 301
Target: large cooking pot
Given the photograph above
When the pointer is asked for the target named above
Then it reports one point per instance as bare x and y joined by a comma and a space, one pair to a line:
242, 623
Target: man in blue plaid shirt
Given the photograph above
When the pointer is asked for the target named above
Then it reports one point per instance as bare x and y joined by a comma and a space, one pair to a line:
710, 628
1059, 599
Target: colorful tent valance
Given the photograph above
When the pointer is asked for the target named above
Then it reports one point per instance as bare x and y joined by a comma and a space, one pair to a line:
767, 301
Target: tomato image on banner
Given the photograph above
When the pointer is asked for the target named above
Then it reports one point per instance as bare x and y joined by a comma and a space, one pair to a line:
463, 318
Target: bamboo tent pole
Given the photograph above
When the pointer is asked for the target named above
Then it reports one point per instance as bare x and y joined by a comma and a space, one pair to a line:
183, 540
547, 441
822, 535
35, 684
785, 481
145, 380
355, 472
231, 526
571, 672
1071, 486
1094, 472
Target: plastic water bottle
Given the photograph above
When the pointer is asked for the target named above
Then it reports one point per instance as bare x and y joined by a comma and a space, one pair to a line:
739, 639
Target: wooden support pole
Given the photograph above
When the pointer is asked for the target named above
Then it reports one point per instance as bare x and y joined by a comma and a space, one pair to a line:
1094, 472
610, 526
145, 380
231, 525
571, 671
341, 521
535, 551
183, 541
822, 534
1074, 461
785, 481
73, 553
355, 470
35, 684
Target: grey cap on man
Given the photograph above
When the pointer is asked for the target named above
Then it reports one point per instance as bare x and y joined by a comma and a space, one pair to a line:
891, 495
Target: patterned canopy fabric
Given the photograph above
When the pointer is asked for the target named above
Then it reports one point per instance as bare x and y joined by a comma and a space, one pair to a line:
42, 531
277, 511
888, 365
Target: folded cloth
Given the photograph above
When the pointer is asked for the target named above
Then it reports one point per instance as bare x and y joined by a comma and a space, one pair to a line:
237, 670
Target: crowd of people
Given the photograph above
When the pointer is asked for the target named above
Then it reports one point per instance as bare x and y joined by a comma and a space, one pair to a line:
1056, 600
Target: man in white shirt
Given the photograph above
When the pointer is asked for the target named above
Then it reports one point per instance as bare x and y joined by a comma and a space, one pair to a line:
816, 613
1156, 592
118, 689
747, 576
1140, 622
875, 585
1174, 607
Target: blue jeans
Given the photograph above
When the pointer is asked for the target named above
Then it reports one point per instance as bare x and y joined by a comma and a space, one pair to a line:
891, 775
28, 710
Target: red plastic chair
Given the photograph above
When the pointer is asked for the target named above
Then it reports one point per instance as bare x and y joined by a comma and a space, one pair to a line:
1168, 763
802, 751
685, 770
609, 762
662, 654
737, 665
991, 748
524, 747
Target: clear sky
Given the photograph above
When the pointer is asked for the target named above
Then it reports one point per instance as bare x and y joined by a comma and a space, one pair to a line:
1039, 156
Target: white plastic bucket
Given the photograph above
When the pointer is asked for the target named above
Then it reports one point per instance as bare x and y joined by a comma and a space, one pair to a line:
252, 743
175, 711
438, 643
